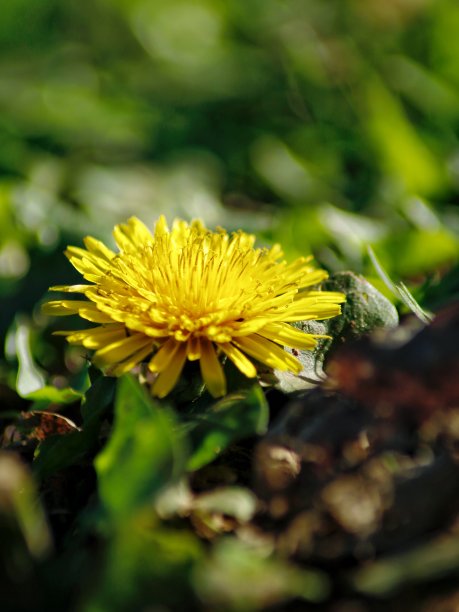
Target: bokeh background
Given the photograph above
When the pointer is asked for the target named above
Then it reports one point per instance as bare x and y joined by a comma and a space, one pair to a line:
326, 126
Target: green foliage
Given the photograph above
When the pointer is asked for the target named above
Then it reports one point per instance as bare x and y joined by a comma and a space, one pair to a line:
330, 127
144, 564
237, 416
237, 577
142, 455
279, 113
58, 452
438, 558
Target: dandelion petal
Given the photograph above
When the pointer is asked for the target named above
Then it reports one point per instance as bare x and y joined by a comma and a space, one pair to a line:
186, 293
211, 370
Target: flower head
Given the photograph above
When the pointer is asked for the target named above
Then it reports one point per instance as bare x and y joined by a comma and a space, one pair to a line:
192, 294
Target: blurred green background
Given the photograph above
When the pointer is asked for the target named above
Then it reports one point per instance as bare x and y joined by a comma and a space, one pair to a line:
326, 125
323, 125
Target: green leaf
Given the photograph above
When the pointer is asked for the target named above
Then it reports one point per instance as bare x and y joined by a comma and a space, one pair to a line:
238, 577
418, 251
24, 527
146, 566
400, 290
403, 153
143, 454
53, 395
30, 381
58, 452
238, 415
30, 378
436, 558
97, 398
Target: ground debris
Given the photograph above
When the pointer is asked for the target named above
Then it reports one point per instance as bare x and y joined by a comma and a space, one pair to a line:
356, 478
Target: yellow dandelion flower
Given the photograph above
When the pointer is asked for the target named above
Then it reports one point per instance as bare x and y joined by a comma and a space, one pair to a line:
192, 294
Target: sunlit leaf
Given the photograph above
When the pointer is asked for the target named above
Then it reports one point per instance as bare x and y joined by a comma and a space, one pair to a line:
400, 290
237, 416
53, 395
143, 454
430, 560
30, 377
403, 152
